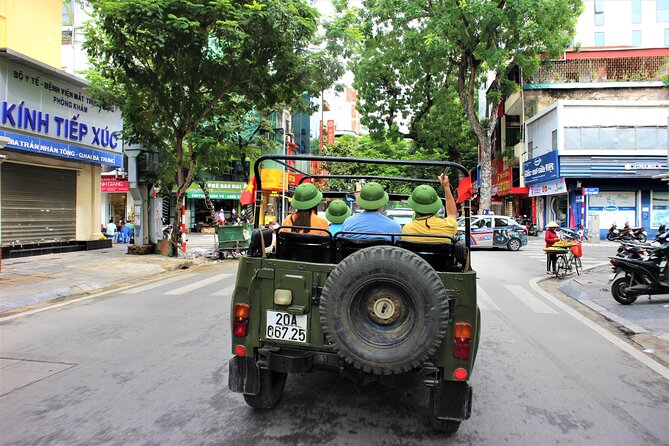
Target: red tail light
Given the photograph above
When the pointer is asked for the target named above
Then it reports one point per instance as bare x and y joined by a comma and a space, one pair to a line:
240, 321
462, 339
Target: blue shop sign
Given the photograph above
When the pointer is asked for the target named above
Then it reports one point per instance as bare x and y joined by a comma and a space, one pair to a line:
542, 168
62, 150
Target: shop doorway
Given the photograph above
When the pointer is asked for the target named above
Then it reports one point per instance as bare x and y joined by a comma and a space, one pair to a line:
557, 209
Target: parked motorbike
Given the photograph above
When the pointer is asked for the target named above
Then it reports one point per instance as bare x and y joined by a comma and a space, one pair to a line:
639, 233
616, 234
634, 277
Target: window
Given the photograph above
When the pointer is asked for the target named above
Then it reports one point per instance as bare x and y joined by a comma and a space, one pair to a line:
499, 222
554, 140
599, 12
636, 38
660, 208
599, 39
615, 138
636, 11
666, 36
662, 10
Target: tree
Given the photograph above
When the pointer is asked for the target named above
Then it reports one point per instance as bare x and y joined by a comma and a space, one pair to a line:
418, 49
348, 146
173, 65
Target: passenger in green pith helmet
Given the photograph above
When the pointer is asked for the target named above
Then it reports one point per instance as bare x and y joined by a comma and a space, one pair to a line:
426, 203
337, 212
372, 199
306, 199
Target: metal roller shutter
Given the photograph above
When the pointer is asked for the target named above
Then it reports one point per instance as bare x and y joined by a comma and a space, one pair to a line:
38, 204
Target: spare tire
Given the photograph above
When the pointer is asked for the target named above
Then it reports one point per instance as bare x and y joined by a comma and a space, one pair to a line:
384, 310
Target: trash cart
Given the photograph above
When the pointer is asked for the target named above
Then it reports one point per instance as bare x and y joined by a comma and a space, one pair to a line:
233, 239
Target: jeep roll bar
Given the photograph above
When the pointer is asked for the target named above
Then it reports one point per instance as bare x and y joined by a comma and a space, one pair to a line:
283, 159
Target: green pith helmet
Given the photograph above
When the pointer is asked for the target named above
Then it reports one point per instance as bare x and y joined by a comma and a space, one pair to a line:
306, 196
338, 211
372, 197
424, 200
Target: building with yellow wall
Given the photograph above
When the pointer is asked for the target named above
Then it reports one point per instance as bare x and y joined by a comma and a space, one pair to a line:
32, 28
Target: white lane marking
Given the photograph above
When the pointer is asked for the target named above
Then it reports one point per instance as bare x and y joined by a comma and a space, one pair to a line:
484, 300
225, 291
642, 358
196, 285
530, 299
153, 285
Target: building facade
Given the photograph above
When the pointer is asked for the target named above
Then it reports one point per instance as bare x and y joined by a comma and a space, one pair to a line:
597, 163
56, 140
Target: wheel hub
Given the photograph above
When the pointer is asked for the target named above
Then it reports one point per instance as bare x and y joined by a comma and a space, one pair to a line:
384, 308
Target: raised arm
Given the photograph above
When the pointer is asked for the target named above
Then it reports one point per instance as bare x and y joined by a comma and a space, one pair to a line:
451, 209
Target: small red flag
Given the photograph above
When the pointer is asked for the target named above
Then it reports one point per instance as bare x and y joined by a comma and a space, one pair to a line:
249, 194
464, 189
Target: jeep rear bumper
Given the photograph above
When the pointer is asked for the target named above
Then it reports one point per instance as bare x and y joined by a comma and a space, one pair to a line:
244, 372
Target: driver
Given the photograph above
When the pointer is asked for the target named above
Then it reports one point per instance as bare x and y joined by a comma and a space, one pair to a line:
426, 203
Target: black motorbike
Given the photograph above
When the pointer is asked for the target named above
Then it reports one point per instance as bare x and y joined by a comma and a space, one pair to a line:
634, 277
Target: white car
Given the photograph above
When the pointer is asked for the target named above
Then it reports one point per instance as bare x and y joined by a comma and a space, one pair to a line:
495, 231
400, 215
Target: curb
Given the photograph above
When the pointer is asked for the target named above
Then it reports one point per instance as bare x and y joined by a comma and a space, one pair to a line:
570, 290
90, 288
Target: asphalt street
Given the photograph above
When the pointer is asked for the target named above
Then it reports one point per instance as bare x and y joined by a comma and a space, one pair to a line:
147, 364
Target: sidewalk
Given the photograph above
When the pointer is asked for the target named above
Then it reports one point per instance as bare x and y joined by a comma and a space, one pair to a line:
30, 281
645, 322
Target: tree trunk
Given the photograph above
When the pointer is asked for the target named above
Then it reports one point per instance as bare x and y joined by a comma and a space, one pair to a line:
485, 181
207, 200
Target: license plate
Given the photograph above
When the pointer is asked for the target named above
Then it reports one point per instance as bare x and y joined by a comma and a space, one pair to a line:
286, 327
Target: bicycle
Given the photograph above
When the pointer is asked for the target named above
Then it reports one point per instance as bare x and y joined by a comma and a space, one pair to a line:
568, 258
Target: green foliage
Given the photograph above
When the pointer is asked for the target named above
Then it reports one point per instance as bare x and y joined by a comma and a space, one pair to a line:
185, 72
417, 55
378, 148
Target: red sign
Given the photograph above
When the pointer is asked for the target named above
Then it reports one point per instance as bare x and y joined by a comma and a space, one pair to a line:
109, 185
330, 132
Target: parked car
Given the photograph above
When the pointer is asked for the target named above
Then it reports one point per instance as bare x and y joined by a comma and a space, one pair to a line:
400, 215
495, 231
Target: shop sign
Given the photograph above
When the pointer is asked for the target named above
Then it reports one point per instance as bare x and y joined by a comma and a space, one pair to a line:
218, 190
111, 185
272, 179
62, 150
541, 168
330, 132
294, 178
548, 188
41, 105
590, 191
504, 180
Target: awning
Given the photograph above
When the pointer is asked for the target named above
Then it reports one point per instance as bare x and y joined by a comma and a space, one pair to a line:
514, 191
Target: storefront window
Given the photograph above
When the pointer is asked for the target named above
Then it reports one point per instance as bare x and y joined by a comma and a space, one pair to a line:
613, 207
660, 209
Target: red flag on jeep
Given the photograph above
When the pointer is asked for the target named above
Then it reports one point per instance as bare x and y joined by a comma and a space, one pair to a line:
464, 189
249, 194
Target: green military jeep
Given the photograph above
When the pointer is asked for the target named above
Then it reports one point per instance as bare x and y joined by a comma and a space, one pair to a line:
361, 307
